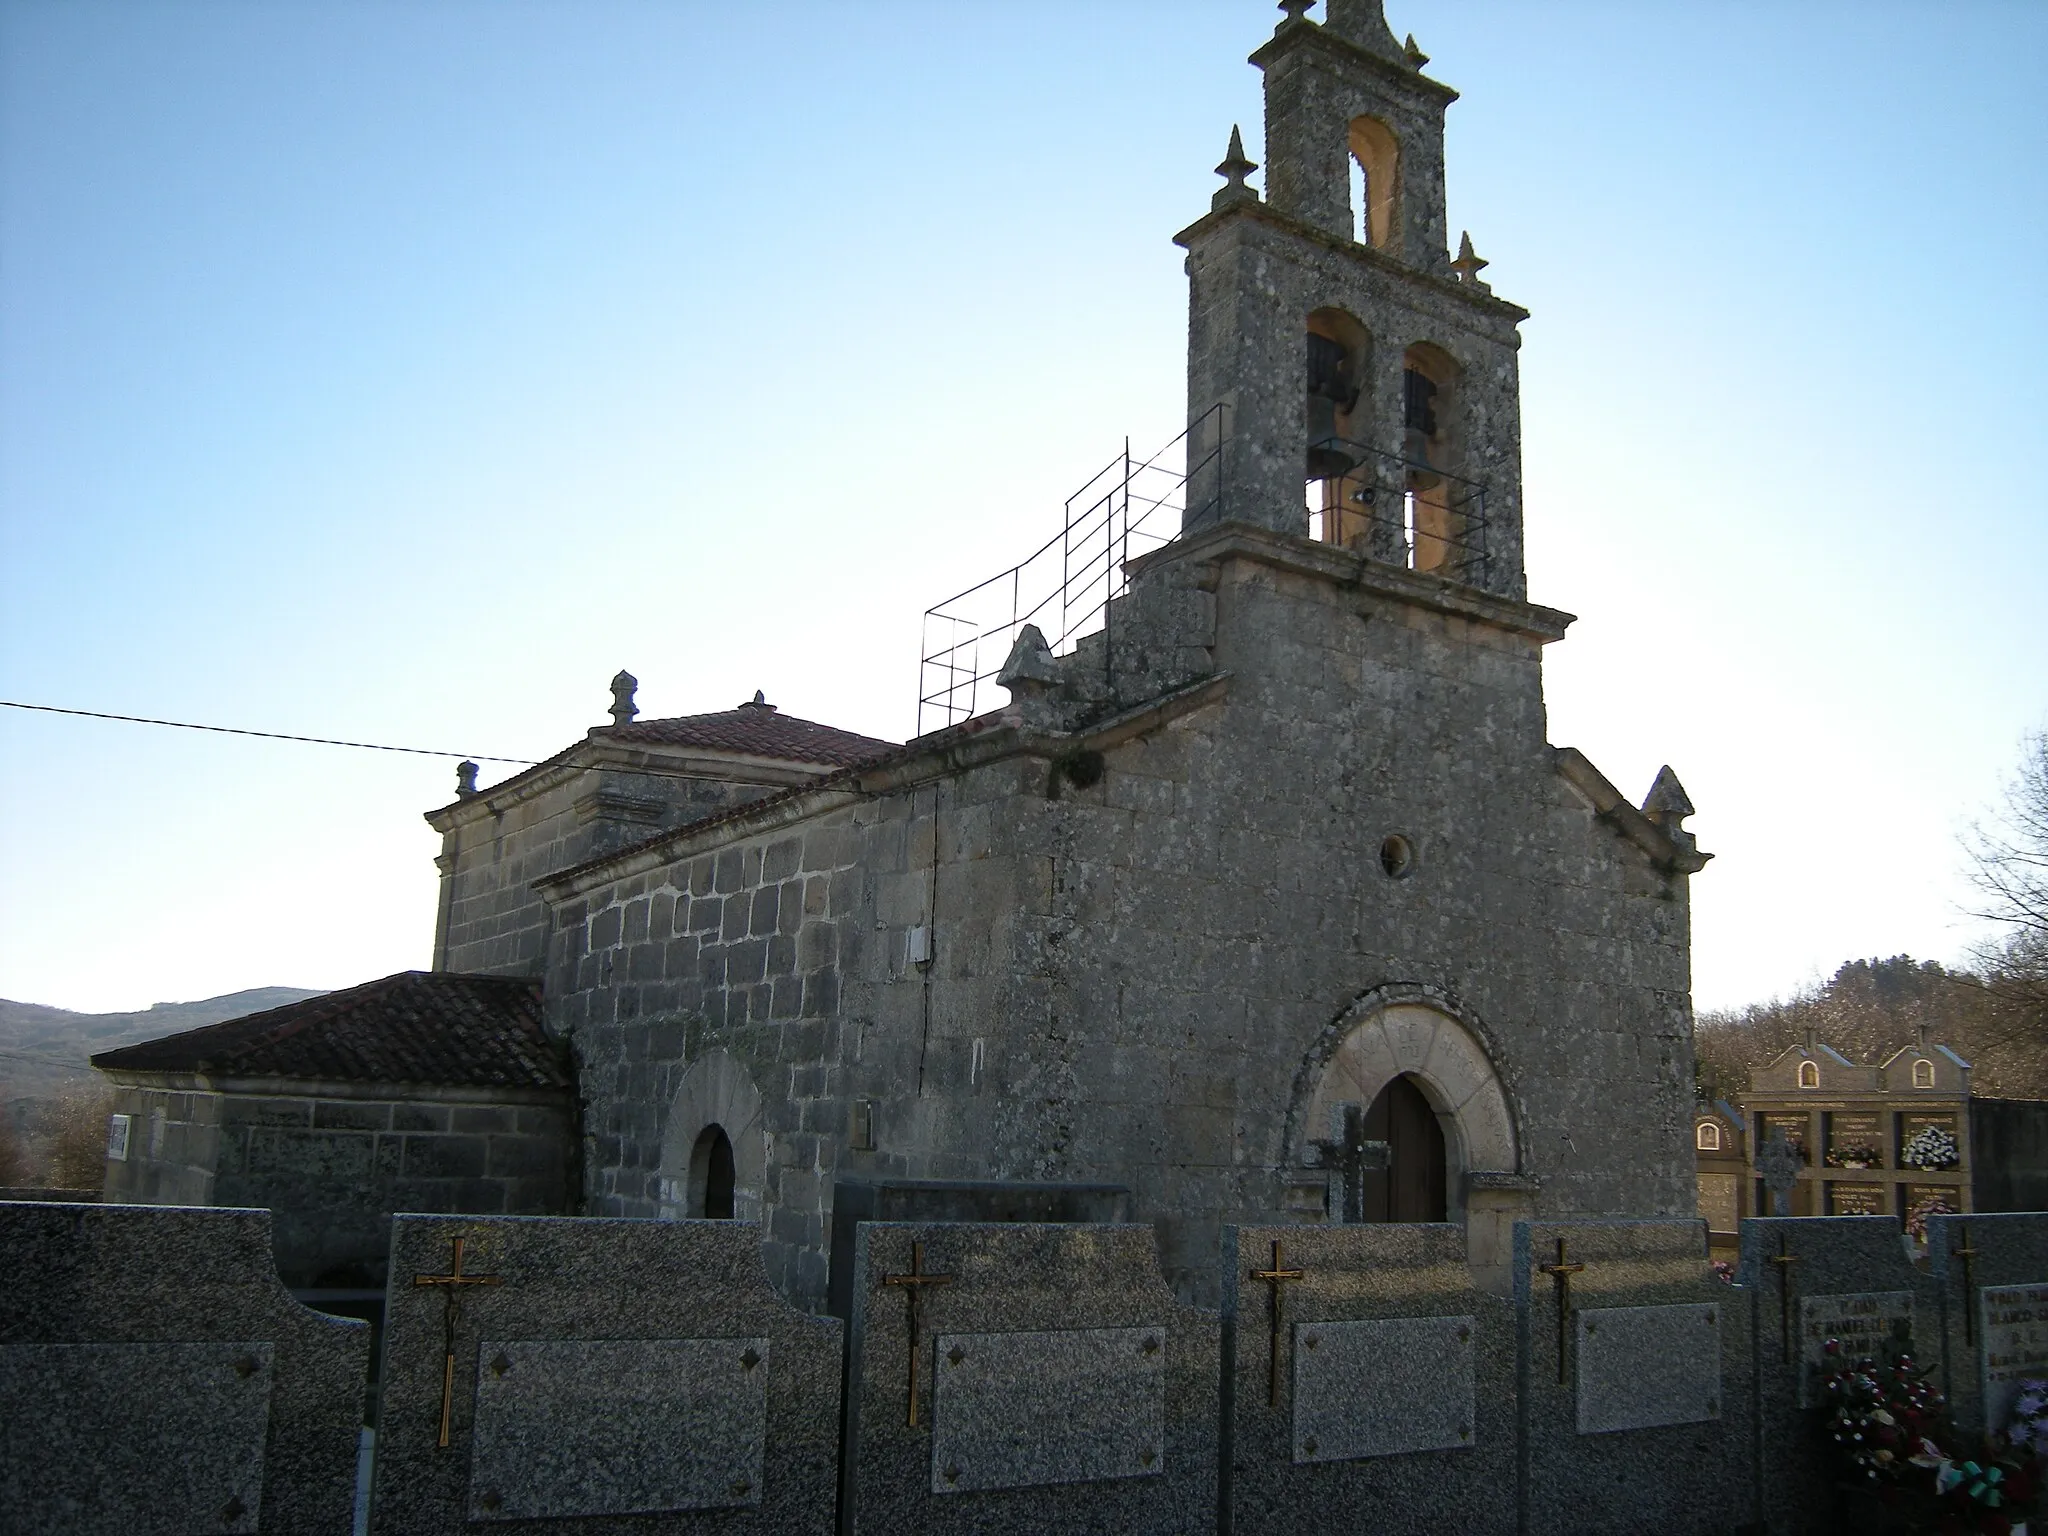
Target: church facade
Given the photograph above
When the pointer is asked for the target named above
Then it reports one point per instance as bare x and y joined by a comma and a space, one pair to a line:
1269, 901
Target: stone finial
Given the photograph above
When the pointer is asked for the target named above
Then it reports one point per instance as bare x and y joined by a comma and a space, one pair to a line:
1296, 10
1233, 170
1364, 22
1415, 55
759, 701
465, 780
1667, 805
1470, 264
623, 707
1029, 669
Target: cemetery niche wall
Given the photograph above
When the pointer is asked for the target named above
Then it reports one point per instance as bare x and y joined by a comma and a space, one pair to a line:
605, 1377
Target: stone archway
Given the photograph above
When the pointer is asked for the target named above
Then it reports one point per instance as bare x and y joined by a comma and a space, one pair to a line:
715, 1094
1417, 1034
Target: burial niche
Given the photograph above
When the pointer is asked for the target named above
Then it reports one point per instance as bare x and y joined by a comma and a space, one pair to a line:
712, 1175
1413, 1186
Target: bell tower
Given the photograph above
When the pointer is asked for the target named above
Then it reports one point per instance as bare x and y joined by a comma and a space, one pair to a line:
1367, 380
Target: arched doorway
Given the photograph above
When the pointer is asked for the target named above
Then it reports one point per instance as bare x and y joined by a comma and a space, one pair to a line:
1413, 1186
712, 1175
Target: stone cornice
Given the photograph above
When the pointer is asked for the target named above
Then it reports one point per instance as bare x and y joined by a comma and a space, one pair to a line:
1490, 304
1333, 563
945, 754
594, 754
1610, 806
332, 1088
1306, 34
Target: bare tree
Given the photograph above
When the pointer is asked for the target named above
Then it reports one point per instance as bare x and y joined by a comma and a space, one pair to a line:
75, 1151
13, 1151
2009, 867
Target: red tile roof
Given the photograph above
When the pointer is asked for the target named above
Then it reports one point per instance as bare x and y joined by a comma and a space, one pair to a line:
428, 1027
759, 729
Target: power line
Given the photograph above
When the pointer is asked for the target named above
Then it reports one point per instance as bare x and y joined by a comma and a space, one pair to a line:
235, 730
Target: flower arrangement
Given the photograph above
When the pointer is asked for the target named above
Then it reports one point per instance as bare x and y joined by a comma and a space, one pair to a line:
2028, 1431
1932, 1146
1894, 1446
1854, 1157
1916, 1218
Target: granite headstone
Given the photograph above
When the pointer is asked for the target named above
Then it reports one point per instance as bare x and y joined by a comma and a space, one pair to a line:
156, 1376
1806, 1279
1392, 1388
1631, 1362
607, 1376
1988, 1271
1055, 1383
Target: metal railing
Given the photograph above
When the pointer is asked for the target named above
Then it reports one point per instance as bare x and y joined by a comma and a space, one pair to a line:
1403, 511
1128, 508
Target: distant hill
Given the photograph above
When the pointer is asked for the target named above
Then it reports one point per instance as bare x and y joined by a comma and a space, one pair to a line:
44, 1051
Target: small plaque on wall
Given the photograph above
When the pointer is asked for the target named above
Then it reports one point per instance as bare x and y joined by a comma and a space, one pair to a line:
1856, 1200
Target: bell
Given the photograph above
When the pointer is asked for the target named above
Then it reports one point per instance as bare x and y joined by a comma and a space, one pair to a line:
1422, 475
1329, 456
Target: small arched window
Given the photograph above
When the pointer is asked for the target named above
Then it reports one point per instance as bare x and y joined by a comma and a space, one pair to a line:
1923, 1074
1809, 1074
1708, 1138
711, 1175
1375, 181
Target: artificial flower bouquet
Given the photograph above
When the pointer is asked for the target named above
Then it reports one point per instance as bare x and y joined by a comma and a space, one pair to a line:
1932, 1146
1900, 1462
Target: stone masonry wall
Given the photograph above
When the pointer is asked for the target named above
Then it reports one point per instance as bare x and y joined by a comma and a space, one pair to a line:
495, 847
334, 1168
173, 1148
1134, 970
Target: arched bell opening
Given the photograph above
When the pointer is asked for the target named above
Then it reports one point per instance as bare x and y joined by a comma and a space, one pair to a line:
1340, 491
1375, 182
712, 1175
1432, 519
1414, 1184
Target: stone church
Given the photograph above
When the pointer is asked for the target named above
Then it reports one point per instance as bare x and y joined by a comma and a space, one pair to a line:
1267, 900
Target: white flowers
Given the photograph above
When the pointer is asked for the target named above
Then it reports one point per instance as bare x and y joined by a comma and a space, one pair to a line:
1932, 1146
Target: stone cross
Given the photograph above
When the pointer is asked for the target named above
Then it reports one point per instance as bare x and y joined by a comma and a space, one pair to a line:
1777, 1160
1353, 1156
913, 1285
451, 1285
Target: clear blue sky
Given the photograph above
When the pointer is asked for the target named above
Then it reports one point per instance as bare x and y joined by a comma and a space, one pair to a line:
401, 371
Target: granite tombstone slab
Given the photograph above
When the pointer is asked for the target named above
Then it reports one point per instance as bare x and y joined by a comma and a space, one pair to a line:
1642, 1367
1628, 1349
1052, 1383
601, 1376
1983, 1267
1366, 1372
1806, 1279
156, 1376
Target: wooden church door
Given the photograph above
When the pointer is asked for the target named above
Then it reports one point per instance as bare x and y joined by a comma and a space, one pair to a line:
1413, 1186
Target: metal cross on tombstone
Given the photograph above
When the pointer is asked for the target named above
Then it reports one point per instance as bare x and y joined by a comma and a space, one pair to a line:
1274, 1278
913, 1289
1778, 1161
1968, 1255
1783, 1261
451, 1295
1561, 1277
1353, 1156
